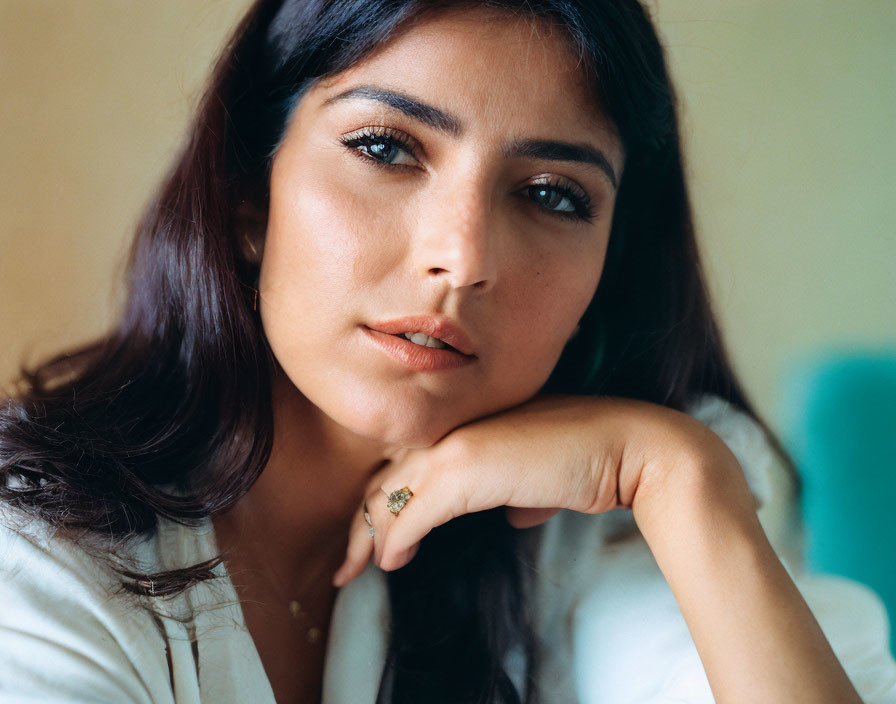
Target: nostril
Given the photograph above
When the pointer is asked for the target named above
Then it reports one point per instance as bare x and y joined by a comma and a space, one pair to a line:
458, 278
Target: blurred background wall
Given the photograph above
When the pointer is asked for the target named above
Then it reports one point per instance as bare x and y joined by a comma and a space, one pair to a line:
789, 110
788, 107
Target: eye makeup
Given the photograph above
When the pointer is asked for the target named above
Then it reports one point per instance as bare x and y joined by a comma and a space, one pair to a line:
381, 146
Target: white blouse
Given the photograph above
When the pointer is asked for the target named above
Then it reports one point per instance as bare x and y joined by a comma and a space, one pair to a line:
608, 625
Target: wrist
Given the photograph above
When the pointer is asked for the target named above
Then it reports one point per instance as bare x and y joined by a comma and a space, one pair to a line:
694, 472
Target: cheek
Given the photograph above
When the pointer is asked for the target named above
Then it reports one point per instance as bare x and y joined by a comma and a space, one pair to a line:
312, 238
541, 310
561, 291
312, 249
327, 252
327, 243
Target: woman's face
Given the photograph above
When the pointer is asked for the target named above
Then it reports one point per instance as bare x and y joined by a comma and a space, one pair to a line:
460, 176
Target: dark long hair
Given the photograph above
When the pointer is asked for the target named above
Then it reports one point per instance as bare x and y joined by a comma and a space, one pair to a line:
169, 414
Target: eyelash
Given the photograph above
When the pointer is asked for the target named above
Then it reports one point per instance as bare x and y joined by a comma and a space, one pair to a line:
583, 208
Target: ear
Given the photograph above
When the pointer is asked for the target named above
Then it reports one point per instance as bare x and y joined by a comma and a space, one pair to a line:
250, 224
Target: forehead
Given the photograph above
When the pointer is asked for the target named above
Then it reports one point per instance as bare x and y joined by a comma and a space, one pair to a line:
495, 71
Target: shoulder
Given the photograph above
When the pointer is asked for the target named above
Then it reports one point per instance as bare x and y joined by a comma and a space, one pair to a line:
66, 630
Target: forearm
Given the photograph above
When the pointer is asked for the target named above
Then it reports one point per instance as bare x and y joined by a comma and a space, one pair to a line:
757, 638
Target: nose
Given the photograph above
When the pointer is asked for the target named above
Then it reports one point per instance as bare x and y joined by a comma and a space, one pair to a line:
457, 241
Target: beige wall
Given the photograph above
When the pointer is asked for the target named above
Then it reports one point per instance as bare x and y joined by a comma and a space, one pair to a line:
789, 112
790, 109
95, 97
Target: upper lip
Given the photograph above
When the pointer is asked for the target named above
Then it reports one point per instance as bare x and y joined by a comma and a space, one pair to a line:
442, 328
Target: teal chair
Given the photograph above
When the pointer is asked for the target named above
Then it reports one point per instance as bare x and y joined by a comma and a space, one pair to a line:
841, 429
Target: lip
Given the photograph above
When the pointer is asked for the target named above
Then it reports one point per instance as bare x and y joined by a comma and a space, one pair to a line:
441, 328
414, 356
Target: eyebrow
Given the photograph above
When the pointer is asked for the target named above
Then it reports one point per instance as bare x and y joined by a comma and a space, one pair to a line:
446, 122
415, 109
561, 151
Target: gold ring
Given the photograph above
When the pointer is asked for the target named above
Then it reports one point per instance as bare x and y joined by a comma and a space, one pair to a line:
398, 499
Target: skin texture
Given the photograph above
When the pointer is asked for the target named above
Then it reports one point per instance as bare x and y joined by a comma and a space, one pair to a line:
450, 227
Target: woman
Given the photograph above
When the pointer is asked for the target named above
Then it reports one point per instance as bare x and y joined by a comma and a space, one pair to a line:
423, 278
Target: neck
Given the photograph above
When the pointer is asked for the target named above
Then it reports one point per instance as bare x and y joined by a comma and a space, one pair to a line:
296, 517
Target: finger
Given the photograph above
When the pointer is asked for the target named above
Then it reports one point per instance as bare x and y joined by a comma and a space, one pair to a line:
423, 512
357, 554
399, 560
521, 517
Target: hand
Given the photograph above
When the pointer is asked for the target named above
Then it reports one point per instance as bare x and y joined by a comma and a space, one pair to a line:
586, 454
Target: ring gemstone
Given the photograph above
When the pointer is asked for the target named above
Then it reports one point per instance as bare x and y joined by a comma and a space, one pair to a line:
398, 499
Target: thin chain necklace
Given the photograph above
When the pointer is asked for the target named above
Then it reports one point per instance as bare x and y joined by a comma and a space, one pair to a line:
297, 607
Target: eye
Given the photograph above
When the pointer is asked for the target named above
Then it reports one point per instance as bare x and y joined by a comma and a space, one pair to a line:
552, 199
381, 145
562, 200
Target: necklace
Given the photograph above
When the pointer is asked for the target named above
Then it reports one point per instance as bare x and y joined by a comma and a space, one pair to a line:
302, 599
313, 634
298, 608
299, 601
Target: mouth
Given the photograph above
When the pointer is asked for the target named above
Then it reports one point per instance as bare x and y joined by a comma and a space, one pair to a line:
432, 332
418, 351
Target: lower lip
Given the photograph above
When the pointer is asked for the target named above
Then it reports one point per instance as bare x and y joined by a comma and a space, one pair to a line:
417, 357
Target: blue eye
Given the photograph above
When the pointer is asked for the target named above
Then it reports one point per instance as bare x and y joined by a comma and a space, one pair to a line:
552, 199
382, 146
384, 151
562, 201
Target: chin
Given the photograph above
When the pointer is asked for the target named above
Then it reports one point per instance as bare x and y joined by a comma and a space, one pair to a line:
406, 431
